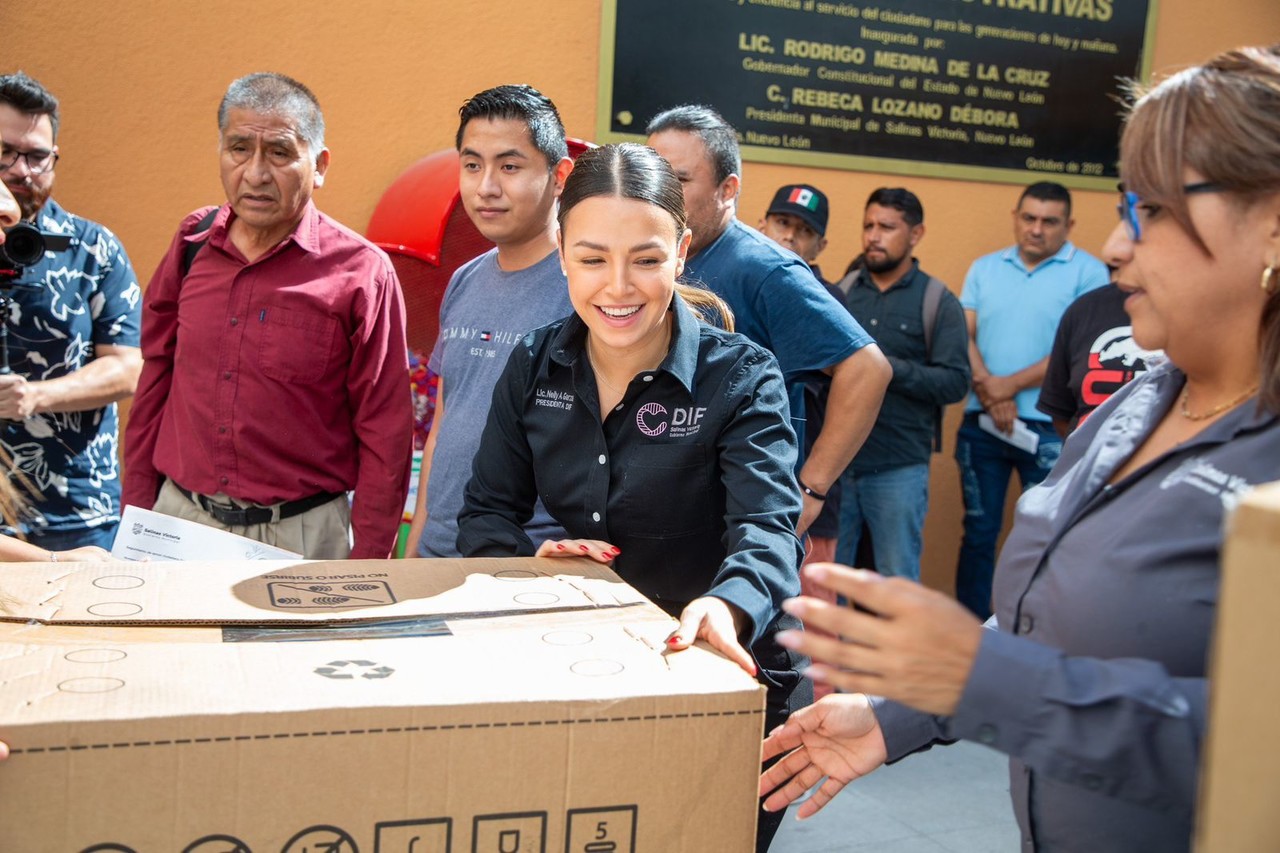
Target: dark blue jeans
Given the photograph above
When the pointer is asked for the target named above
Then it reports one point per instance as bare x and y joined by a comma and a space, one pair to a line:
986, 464
892, 504
104, 536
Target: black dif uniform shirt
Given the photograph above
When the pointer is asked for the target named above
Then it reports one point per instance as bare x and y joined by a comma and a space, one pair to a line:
691, 475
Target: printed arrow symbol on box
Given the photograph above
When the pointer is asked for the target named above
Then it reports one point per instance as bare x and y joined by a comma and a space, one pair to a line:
303, 588
333, 669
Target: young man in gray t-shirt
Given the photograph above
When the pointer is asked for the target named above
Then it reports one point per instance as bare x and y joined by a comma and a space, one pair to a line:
513, 163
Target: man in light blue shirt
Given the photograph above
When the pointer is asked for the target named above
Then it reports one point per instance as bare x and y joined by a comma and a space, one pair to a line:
1013, 300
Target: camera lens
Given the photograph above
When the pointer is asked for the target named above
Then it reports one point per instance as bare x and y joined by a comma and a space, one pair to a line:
23, 245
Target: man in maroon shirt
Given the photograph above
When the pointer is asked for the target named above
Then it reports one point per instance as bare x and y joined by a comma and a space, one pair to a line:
275, 376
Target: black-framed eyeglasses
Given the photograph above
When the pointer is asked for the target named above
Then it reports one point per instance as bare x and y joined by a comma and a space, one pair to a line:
1129, 204
38, 162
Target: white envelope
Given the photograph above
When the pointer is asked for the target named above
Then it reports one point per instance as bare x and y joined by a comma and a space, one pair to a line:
147, 535
1023, 438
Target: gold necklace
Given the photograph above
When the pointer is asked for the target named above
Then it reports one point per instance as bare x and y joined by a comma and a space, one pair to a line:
600, 374
1186, 412
614, 388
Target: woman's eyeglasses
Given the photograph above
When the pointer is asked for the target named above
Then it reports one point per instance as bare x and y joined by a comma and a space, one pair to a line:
1130, 203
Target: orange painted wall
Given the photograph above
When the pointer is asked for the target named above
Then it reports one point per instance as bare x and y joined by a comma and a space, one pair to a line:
140, 82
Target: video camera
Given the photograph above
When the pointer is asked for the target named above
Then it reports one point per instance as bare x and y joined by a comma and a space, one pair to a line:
24, 245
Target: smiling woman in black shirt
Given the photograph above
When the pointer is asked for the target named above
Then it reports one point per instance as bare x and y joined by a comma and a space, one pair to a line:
663, 444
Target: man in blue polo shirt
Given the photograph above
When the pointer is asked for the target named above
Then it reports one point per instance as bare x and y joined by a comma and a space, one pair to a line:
1013, 300
776, 300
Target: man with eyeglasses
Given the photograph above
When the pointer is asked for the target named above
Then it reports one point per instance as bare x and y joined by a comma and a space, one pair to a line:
1013, 300
277, 374
73, 342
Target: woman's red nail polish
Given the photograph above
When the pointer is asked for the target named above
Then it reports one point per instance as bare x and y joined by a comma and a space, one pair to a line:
583, 548
559, 547
672, 641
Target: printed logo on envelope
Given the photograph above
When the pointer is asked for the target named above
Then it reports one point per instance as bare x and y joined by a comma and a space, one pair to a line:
365, 593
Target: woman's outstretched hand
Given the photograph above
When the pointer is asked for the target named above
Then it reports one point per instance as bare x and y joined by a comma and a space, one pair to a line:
837, 737
913, 645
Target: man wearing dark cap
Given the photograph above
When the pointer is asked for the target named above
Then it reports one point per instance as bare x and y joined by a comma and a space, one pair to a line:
797, 220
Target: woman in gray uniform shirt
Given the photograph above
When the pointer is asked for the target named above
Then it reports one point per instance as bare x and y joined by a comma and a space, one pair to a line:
1094, 679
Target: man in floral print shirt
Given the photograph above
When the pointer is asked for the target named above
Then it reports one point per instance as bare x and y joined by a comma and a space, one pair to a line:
73, 342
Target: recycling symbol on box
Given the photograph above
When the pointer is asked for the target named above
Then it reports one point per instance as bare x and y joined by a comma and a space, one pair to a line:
353, 669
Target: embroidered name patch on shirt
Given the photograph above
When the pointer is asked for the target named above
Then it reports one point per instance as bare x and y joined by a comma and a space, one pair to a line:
1204, 475
550, 398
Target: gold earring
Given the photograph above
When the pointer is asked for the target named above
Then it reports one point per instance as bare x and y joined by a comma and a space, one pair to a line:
1268, 278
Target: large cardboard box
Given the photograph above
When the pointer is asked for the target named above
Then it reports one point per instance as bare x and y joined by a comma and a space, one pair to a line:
1240, 777
490, 706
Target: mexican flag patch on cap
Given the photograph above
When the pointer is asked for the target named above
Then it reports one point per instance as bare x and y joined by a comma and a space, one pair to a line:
804, 198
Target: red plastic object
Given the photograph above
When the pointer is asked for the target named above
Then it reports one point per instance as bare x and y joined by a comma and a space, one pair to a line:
411, 216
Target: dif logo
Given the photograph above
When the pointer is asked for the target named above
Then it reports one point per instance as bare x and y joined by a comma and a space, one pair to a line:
652, 419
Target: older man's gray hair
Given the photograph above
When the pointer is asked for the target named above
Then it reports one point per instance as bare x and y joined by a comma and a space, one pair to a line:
278, 95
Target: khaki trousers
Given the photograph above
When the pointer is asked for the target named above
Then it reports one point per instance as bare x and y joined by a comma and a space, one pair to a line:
320, 533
